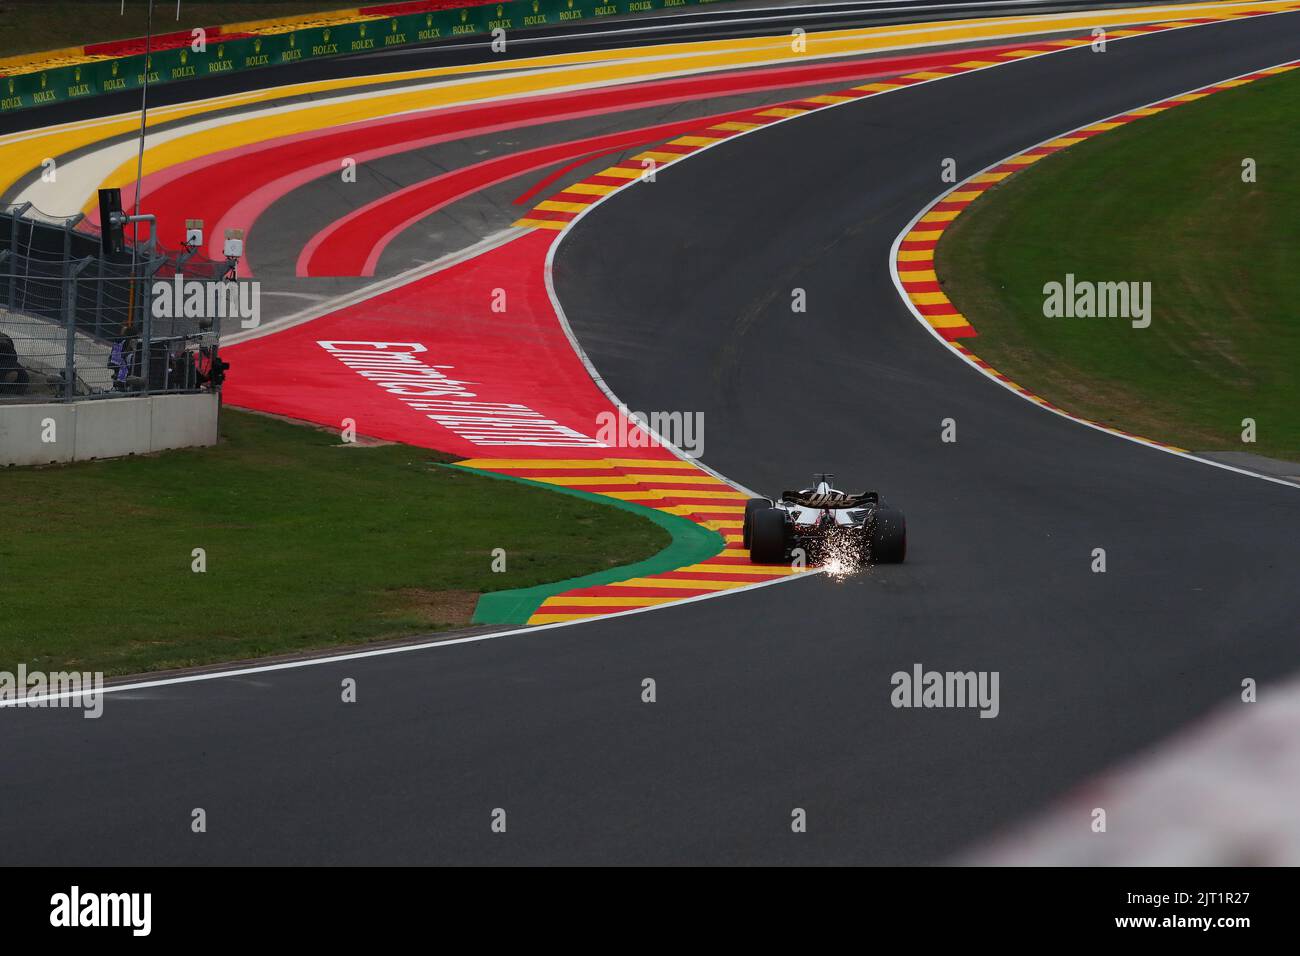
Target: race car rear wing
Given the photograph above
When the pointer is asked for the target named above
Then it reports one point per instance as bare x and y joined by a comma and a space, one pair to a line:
830, 499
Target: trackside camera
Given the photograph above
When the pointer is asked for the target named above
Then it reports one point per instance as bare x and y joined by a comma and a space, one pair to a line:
234, 245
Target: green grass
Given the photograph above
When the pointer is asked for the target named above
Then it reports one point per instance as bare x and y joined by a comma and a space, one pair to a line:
32, 26
308, 544
1159, 200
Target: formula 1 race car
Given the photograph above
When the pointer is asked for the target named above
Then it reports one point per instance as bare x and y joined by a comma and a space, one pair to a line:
829, 525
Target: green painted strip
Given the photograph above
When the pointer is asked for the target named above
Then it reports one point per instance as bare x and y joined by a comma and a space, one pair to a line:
59, 84
691, 544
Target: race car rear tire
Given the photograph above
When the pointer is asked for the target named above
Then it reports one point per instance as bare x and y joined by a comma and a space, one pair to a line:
767, 536
888, 536
752, 505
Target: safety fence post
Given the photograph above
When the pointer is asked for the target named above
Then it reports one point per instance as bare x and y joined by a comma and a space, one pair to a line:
71, 270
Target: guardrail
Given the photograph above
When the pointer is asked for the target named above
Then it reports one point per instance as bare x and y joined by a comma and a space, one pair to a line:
219, 56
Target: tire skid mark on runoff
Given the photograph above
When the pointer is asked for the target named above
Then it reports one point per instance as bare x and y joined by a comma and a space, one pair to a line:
912, 256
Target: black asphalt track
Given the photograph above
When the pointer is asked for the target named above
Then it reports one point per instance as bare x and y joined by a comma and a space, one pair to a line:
779, 698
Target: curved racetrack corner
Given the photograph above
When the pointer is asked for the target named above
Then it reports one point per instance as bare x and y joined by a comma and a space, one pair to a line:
679, 291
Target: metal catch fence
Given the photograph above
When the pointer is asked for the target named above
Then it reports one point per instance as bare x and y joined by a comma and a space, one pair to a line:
77, 324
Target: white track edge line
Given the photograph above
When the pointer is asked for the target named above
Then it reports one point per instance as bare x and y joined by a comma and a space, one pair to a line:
916, 313
36, 701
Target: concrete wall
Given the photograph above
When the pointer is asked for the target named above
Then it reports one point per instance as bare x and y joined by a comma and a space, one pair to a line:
108, 428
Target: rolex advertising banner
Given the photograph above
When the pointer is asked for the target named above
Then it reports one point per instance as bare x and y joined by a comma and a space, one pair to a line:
201, 58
